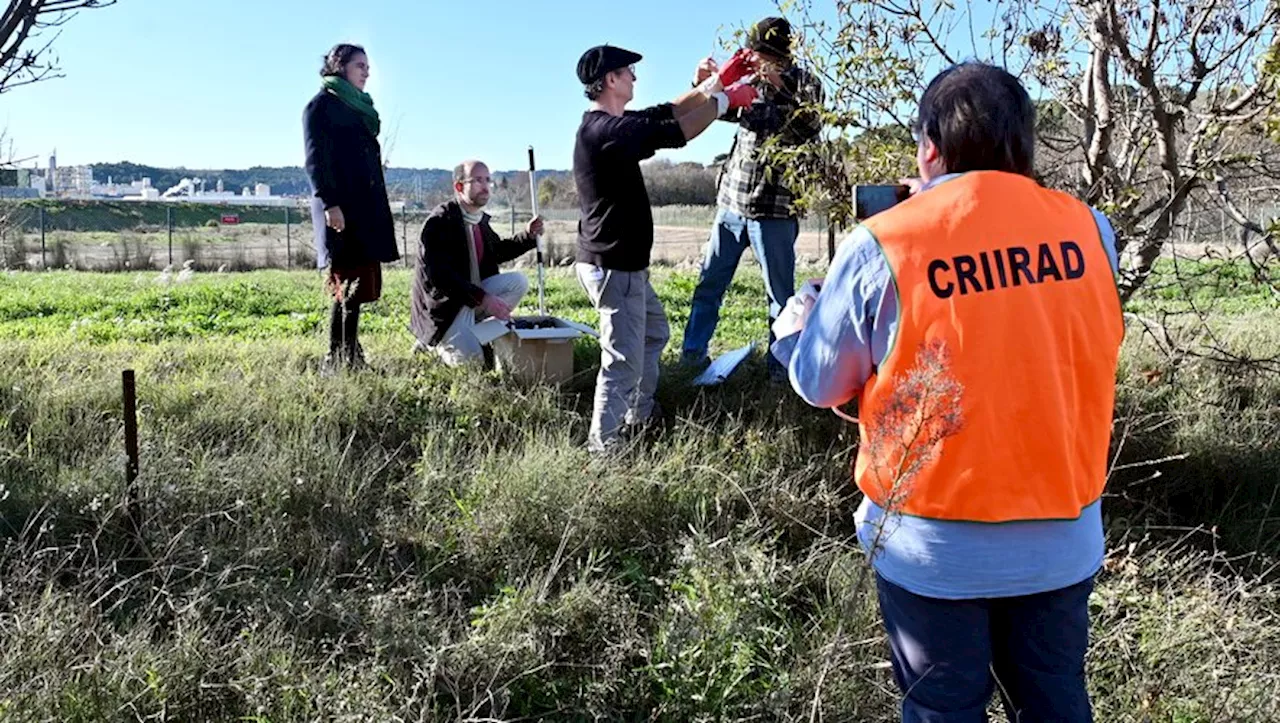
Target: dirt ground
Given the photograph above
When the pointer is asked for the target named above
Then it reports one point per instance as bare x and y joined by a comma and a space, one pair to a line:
257, 246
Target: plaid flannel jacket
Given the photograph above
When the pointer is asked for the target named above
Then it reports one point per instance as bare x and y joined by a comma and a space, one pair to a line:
746, 185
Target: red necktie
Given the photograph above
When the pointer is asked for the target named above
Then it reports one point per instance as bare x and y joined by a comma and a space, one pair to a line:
479, 238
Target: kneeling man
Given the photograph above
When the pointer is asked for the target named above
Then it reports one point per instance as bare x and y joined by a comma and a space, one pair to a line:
456, 282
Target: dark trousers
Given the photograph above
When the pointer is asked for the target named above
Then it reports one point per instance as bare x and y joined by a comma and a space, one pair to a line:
950, 656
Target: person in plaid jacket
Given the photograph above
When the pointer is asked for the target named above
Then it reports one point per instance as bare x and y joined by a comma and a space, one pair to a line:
754, 207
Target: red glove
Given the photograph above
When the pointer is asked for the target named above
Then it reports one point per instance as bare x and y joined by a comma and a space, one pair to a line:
738, 66
742, 95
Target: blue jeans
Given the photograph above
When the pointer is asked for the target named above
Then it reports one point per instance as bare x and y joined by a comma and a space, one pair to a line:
949, 656
774, 243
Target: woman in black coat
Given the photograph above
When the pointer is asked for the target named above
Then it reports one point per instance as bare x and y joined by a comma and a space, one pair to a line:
350, 213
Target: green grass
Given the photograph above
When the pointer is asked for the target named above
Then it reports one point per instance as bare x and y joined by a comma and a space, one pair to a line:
240, 233
130, 215
432, 544
1208, 287
280, 305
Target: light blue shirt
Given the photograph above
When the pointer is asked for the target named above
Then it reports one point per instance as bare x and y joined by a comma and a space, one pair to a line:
847, 335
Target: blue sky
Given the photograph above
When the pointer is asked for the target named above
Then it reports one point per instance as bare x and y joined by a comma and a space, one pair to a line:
221, 84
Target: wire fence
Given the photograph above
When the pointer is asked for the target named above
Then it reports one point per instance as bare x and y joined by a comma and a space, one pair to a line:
123, 236
109, 236
93, 236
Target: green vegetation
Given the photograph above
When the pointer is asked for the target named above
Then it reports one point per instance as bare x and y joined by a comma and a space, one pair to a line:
419, 543
701, 216
131, 215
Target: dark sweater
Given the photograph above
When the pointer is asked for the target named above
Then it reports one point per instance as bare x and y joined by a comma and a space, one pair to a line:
344, 165
615, 230
442, 277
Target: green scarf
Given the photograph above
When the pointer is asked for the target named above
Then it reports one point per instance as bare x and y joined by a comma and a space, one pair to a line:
355, 99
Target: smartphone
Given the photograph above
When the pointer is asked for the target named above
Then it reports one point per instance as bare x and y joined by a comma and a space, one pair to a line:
870, 200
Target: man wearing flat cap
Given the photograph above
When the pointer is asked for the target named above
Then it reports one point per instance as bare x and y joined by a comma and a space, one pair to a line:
615, 230
755, 207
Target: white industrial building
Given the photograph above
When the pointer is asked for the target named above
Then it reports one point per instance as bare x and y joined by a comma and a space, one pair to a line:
78, 182
111, 189
73, 181
192, 190
64, 180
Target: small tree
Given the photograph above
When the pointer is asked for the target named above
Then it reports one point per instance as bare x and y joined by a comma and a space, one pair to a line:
548, 189
690, 184
11, 212
925, 409
557, 193
28, 29
1150, 110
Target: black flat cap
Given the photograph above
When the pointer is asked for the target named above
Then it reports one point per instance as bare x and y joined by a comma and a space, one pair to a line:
596, 62
772, 36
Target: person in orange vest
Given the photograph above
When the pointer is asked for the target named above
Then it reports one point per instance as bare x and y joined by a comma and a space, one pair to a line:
978, 325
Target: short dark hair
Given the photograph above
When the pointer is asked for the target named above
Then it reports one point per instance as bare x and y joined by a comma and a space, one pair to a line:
335, 63
595, 90
980, 118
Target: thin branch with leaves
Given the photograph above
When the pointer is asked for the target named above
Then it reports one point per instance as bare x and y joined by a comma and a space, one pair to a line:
28, 30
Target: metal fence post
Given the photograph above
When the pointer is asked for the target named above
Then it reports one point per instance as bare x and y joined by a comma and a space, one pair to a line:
44, 265
133, 505
168, 219
404, 231
288, 241
130, 429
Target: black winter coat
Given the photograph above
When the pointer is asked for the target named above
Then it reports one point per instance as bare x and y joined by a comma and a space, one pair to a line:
442, 277
344, 164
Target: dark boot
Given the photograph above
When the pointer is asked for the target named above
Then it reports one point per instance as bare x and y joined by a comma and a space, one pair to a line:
351, 349
334, 359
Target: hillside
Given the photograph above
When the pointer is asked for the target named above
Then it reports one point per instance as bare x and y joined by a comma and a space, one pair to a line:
292, 180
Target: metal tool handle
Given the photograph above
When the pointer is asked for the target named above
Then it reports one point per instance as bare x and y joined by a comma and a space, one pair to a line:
533, 199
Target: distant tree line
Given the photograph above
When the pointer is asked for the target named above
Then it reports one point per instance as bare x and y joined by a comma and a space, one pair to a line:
668, 184
417, 186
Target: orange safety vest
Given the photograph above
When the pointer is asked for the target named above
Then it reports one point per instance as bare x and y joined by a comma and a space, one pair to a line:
1012, 281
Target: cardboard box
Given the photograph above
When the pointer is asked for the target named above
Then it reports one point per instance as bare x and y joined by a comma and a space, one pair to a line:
541, 354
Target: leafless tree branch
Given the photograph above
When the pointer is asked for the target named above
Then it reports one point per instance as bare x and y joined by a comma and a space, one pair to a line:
26, 21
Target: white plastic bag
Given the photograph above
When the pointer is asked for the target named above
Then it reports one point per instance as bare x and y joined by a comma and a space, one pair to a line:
796, 311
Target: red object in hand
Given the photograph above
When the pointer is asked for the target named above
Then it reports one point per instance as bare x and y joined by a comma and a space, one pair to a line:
741, 96
738, 67
495, 307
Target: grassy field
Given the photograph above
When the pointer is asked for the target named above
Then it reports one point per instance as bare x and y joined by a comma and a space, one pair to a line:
249, 246
118, 236
419, 543
119, 216
241, 247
